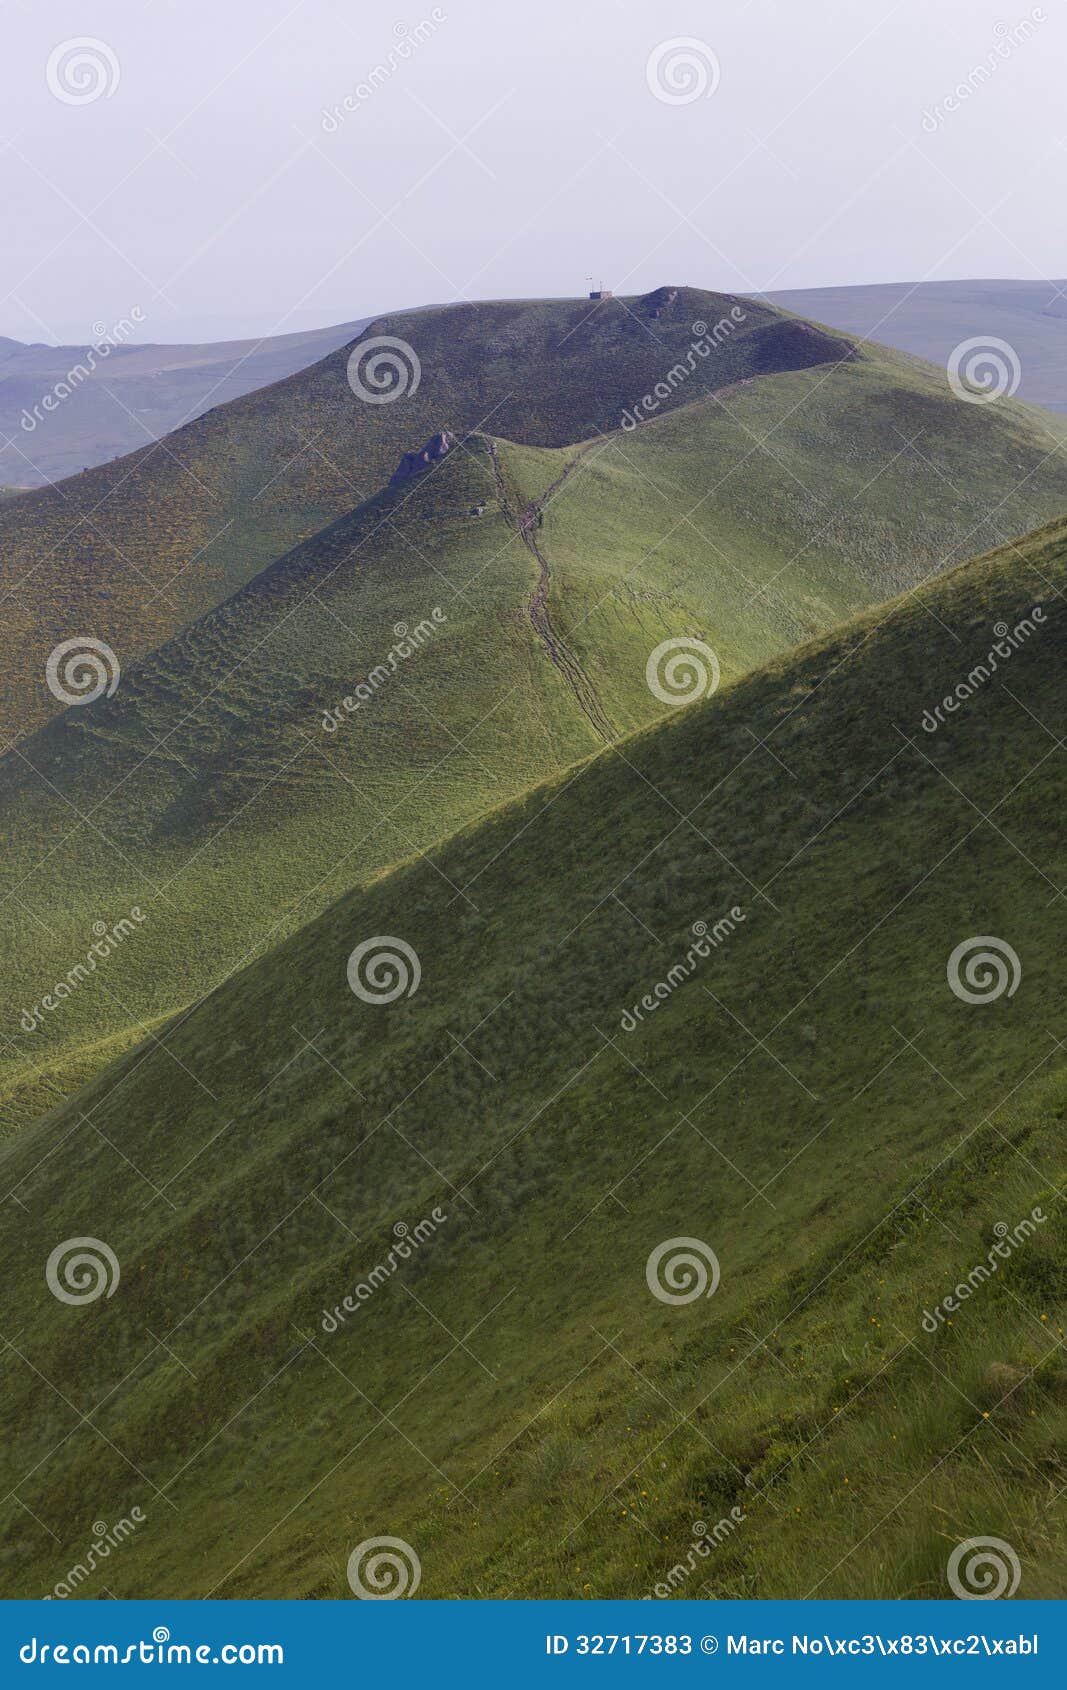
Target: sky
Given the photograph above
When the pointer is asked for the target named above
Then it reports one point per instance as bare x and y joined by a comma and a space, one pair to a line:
225, 168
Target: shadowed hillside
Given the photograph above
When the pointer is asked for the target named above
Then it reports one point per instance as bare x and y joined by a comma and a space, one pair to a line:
696, 992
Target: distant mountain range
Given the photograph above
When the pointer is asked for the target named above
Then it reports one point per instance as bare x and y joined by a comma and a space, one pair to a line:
116, 400
930, 319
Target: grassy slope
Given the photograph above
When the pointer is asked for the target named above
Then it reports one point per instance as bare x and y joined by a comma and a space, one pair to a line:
206, 793
129, 552
788, 505
814, 1103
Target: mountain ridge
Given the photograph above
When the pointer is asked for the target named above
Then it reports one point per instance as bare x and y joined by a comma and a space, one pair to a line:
130, 553
206, 789
586, 1424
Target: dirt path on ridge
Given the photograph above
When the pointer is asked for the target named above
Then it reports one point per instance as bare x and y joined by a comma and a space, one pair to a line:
527, 522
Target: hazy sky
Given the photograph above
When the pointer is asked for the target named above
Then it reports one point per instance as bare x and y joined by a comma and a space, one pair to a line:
515, 150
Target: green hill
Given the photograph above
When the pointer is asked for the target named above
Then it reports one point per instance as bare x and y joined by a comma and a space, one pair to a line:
207, 794
487, 1167
131, 551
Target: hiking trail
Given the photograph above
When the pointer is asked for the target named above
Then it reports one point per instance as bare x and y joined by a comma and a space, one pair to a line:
535, 608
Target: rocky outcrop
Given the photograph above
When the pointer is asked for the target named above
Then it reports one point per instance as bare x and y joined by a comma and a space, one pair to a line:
413, 463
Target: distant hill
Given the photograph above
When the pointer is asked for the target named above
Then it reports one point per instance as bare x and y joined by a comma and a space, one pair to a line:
129, 552
498, 1176
207, 791
116, 400
144, 391
930, 319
